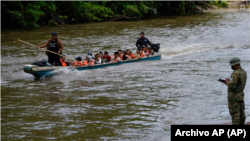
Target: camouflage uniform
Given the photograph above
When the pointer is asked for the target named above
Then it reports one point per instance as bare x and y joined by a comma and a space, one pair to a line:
236, 85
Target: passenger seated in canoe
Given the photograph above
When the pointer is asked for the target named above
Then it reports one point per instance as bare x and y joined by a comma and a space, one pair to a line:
137, 54
115, 58
101, 56
106, 57
150, 51
85, 62
91, 60
62, 61
89, 53
129, 54
98, 59
78, 62
142, 51
125, 58
121, 55
145, 51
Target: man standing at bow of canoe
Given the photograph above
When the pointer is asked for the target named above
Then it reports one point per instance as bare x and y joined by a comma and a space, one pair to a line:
53, 44
142, 41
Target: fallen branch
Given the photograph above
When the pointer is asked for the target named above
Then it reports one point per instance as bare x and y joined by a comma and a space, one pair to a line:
56, 18
123, 17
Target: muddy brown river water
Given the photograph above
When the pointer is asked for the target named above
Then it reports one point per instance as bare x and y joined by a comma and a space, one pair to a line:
136, 101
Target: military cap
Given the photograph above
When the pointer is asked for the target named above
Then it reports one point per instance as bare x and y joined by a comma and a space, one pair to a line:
234, 61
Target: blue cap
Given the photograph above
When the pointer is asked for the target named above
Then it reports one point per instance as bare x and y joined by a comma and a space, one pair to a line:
89, 53
54, 34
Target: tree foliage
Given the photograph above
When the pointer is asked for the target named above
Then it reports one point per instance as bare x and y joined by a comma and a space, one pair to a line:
32, 14
24, 14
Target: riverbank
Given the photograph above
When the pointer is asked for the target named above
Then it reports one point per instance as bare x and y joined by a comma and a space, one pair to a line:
232, 4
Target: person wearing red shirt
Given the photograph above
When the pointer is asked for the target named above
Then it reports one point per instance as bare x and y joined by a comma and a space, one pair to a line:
106, 56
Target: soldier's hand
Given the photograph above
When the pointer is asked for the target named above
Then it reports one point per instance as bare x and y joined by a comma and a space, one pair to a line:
226, 80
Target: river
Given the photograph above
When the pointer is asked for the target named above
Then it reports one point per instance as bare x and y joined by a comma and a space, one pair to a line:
136, 101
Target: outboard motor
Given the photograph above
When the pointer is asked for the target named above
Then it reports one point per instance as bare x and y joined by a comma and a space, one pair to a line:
156, 47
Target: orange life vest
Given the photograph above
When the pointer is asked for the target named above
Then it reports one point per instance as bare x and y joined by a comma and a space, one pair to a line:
142, 54
63, 63
85, 62
92, 62
117, 59
76, 64
131, 56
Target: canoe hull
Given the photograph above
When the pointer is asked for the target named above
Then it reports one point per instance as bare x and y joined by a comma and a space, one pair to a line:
48, 71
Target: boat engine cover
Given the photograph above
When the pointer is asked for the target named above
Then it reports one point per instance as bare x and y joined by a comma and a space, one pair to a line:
156, 47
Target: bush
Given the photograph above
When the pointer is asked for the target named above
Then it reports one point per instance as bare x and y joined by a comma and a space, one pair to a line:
25, 14
224, 3
31, 14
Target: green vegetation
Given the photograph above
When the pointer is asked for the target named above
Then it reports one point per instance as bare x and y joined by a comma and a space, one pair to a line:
222, 3
32, 14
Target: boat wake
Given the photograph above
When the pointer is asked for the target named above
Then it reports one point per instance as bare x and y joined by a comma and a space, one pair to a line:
179, 51
66, 70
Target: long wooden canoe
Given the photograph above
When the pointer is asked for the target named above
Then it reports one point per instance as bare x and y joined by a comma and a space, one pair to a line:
48, 71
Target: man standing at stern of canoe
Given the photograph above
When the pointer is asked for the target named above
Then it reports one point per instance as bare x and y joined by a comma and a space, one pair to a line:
142, 41
236, 85
53, 44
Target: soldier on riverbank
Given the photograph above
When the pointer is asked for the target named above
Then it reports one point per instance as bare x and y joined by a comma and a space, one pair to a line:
236, 85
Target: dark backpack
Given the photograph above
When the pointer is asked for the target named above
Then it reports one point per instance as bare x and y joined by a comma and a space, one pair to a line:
42, 63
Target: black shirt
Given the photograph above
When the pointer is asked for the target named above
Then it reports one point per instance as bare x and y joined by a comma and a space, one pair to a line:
141, 42
124, 57
53, 46
67, 64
